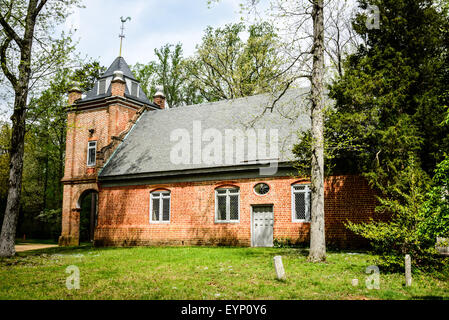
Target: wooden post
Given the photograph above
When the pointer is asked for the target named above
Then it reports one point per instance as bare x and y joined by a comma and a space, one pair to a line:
408, 270
279, 267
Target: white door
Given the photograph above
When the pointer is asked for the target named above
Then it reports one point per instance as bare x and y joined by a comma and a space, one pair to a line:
262, 225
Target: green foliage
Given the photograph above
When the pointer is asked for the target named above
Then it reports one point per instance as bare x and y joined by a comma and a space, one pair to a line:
394, 89
435, 210
87, 75
282, 243
337, 141
400, 230
223, 67
168, 71
146, 74
52, 218
227, 67
391, 100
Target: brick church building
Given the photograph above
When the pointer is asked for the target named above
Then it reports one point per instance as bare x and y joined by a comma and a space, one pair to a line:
210, 174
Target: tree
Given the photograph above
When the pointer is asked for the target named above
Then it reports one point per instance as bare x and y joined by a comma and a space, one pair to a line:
168, 71
317, 233
23, 23
5, 139
393, 94
300, 48
226, 67
435, 210
392, 98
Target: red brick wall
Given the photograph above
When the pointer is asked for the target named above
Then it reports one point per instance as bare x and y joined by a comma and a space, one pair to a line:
123, 217
107, 122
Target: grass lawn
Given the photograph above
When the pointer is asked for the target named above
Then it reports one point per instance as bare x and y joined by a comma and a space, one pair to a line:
202, 273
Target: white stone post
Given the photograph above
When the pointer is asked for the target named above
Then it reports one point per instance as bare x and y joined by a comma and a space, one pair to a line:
408, 270
279, 267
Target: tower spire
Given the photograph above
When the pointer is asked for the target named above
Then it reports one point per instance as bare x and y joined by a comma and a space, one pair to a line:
122, 35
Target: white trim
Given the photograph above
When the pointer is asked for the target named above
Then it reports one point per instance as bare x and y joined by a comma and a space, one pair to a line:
307, 193
228, 195
161, 198
261, 195
107, 83
88, 149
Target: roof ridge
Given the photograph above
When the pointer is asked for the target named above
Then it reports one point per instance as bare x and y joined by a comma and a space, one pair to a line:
231, 100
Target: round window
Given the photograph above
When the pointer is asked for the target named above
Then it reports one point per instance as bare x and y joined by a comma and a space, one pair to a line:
261, 188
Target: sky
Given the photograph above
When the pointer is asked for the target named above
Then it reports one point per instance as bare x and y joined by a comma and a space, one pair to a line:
153, 24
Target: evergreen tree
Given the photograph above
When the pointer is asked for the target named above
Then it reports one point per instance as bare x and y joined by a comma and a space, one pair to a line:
391, 102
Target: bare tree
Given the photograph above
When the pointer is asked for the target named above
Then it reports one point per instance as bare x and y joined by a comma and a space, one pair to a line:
308, 41
317, 235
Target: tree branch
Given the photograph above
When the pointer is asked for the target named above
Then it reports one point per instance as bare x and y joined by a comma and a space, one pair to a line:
11, 77
10, 32
39, 7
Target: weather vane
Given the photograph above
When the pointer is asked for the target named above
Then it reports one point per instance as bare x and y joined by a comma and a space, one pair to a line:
122, 35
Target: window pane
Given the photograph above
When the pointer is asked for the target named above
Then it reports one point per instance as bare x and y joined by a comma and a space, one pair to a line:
166, 209
155, 213
222, 191
261, 188
300, 205
234, 207
102, 89
298, 188
91, 156
221, 207
134, 88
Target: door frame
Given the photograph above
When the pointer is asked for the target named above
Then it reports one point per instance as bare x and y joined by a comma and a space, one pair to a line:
252, 221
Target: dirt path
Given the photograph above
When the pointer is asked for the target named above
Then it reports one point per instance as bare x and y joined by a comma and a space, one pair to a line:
33, 246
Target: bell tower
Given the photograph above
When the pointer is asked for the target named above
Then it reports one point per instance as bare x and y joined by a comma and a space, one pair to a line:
97, 122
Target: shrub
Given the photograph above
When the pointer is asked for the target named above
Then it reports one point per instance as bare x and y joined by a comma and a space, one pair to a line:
414, 222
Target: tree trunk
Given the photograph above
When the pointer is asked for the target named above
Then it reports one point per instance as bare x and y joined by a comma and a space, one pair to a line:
317, 234
7, 236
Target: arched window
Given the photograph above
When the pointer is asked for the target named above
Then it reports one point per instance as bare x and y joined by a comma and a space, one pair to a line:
227, 205
160, 206
301, 198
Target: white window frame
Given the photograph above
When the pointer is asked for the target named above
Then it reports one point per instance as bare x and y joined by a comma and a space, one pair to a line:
229, 191
105, 86
88, 153
261, 195
131, 88
162, 195
308, 194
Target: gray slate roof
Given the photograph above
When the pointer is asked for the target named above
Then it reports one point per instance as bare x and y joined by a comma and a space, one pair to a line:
121, 65
148, 146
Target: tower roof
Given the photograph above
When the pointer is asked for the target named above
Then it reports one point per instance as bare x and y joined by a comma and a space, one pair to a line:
119, 64
102, 87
